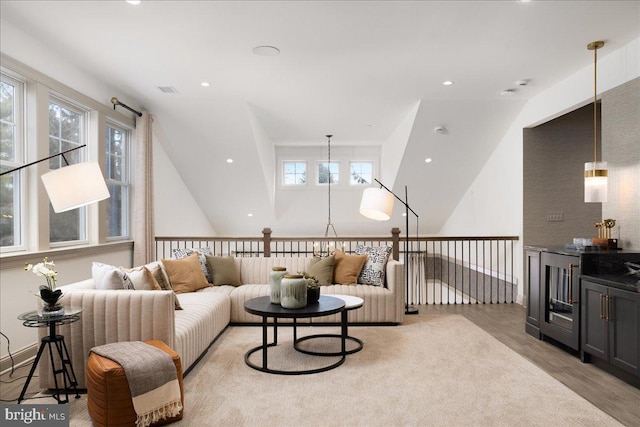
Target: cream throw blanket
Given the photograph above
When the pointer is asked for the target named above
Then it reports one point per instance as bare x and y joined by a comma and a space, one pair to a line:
152, 379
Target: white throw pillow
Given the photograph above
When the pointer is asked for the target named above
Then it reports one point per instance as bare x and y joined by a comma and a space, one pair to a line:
109, 277
141, 278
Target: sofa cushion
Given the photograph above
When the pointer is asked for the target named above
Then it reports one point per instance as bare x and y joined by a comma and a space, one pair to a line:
106, 277
185, 274
374, 269
202, 258
322, 269
348, 268
224, 271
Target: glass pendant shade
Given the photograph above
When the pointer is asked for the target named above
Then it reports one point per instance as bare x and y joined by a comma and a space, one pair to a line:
74, 186
595, 182
376, 204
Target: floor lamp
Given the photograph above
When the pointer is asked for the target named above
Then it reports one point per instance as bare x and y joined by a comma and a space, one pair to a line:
377, 203
71, 187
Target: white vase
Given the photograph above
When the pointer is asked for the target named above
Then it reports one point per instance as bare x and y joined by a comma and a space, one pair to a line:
293, 291
275, 277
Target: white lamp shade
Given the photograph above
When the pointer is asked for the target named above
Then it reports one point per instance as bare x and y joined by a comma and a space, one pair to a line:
377, 204
595, 182
74, 186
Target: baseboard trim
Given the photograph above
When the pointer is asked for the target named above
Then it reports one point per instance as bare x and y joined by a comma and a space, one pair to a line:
20, 357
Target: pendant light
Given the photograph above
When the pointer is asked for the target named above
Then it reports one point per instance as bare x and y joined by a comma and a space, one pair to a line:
595, 173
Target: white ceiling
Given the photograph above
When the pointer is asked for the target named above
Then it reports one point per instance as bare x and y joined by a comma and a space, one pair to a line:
343, 65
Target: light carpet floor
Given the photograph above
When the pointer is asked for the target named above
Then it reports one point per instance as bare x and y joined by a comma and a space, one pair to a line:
441, 370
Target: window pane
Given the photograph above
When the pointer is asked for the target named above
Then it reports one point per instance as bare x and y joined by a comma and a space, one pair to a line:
328, 173
65, 226
117, 181
295, 173
7, 121
65, 132
361, 173
116, 220
9, 209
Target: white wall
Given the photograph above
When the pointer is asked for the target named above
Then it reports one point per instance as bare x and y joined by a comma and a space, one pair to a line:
176, 211
493, 203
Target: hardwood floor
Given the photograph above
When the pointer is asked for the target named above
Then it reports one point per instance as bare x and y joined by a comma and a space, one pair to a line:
505, 322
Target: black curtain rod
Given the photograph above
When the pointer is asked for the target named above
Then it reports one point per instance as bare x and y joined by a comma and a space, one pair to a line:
115, 102
46, 158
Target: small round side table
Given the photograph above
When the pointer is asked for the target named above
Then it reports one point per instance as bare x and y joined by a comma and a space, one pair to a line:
350, 303
34, 319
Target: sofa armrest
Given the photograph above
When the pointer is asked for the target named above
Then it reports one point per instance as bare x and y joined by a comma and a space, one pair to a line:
395, 281
110, 316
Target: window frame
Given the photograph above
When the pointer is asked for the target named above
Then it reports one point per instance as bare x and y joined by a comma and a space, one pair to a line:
127, 185
284, 174
19, 159
83, 226
373, 173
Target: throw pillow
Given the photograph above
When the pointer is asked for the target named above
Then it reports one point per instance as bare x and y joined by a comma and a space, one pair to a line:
109, 277
185, 274
202, 258
224, 271
374, 269
348, 268
163, 284
141, 278
322, 269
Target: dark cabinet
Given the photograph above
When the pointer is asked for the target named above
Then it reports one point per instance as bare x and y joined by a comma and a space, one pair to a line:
532, 283
610, 321
559, 295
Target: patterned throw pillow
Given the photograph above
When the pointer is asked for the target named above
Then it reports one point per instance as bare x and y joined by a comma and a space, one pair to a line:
202, 257
373, 271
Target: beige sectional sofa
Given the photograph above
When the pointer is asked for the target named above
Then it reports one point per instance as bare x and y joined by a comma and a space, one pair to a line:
126, 315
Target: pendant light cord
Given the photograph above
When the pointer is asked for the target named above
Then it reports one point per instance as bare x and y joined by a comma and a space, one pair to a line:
595, 106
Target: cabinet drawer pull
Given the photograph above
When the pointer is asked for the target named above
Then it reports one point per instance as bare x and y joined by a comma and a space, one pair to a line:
608, 307
600, 306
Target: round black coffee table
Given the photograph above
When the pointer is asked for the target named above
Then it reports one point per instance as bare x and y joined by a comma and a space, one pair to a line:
262, 307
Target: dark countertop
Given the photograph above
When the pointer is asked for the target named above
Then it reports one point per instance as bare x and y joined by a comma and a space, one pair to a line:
626, 283
558, 249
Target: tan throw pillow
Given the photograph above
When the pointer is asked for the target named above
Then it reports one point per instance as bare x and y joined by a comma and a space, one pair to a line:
322, 269
223, 271
185, 274
348, 268
141, 278
163, 284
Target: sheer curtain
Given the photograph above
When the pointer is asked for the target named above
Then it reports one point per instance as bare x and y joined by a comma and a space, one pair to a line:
143, 217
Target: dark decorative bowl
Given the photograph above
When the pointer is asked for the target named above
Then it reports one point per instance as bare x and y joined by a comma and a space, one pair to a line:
313, 295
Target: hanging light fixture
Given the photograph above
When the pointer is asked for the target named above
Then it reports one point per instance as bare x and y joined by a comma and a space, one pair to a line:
326, 248
595, 173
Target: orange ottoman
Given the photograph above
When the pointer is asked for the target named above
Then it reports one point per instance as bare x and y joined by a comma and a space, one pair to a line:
108, 395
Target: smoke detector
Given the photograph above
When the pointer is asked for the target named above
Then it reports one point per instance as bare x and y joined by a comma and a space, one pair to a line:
440, 130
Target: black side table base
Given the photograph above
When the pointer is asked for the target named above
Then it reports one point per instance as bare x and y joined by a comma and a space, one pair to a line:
337, 353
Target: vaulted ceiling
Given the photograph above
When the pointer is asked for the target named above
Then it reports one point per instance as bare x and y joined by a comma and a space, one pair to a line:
359, 70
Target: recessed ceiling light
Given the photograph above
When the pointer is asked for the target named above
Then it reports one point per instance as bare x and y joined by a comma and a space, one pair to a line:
134, 1
447, 82
428, 160
266, 51
368, 126
229, 160
508, 92
441, 130
523, 82
205, 84
250, 214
